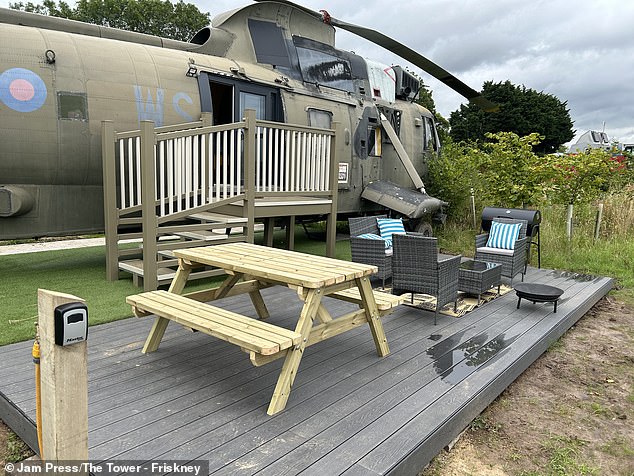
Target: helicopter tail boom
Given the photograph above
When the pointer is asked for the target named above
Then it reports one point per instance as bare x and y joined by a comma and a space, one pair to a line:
17, 17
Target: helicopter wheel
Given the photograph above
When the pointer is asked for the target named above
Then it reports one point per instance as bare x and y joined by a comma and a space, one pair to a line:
424, 228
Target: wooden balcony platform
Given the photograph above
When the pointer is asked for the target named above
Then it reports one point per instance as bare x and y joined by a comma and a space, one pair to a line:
350, 412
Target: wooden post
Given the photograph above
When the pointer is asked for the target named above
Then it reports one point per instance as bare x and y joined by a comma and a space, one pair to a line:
473, 210
249, 172
269, 231
597, 225
569, 221
64, 383
331, 223
206, 194
111, 216
148, 206
207, 119
290, 233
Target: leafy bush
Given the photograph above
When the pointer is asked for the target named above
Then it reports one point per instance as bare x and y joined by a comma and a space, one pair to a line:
452, 176
583, 177
505, 172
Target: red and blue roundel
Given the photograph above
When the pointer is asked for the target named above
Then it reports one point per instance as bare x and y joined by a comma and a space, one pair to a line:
22, 90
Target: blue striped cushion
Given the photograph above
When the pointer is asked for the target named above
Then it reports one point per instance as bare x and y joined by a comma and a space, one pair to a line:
390, 226
503, 235
372, 236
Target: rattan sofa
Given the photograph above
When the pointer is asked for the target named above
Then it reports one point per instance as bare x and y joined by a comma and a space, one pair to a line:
417, 267
513, 261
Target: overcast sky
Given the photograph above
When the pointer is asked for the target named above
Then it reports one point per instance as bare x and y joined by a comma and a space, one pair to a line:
580, 51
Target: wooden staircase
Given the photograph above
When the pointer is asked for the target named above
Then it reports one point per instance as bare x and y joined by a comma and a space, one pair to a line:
218, 229
195, 184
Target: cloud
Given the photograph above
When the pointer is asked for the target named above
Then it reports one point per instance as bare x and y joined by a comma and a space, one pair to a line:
581, 51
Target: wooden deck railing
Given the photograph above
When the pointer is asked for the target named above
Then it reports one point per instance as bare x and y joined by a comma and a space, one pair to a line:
154, 176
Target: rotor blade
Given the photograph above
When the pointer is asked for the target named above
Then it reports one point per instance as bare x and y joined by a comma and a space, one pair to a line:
419, 60
404, 52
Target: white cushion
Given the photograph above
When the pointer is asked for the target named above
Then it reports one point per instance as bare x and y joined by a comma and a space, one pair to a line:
495, 251
389, 227
389, 251
503, 235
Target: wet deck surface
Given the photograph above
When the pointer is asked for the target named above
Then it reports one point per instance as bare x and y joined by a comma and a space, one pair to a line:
349, 412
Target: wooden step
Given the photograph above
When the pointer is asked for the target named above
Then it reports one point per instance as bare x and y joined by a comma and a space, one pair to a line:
205, 235
248, 333
135, 267
194, 243
165, 273
218, 218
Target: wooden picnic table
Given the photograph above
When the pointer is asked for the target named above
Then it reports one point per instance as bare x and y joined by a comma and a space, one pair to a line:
251, 268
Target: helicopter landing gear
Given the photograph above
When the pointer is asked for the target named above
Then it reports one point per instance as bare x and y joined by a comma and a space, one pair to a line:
424, 228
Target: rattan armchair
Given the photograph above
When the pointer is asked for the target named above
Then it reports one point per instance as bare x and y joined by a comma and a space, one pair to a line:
513, 261
369, 251
418, 268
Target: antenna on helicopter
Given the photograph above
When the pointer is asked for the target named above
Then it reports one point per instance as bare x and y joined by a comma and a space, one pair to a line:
404, 52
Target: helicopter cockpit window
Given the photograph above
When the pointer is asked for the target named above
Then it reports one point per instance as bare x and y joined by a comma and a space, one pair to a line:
72, 106
319, 118
320, 67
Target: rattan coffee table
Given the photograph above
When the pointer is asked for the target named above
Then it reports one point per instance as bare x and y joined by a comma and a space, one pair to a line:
477, 277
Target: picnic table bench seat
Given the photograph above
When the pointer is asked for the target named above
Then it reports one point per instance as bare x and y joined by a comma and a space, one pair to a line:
385, 302
250, 334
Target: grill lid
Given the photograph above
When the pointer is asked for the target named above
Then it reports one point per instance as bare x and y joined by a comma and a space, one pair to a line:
533, 217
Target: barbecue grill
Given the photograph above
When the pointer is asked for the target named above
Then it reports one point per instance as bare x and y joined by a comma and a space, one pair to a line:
533, 217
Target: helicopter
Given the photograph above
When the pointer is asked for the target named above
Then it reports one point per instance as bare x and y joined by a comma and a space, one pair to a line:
59, 79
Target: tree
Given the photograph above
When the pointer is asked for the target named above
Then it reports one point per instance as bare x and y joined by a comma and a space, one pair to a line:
522, 111
178, 21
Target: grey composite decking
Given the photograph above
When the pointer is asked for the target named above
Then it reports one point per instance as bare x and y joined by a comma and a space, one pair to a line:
350, 412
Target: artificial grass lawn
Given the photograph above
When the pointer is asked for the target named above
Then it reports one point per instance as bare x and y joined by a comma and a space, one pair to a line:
82, 272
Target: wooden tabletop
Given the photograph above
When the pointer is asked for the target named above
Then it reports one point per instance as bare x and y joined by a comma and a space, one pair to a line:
283, 266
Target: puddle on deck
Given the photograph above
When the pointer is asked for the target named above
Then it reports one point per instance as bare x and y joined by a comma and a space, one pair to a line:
454, 362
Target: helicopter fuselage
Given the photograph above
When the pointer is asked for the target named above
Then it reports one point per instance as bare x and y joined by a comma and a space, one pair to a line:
57, 85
